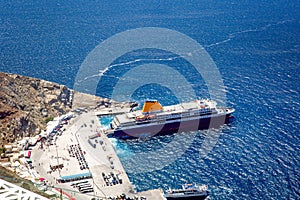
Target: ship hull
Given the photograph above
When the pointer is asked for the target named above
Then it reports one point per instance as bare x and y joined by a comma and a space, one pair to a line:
150, 130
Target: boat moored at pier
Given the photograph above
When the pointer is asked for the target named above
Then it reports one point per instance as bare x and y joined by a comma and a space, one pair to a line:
154, 119
188, 191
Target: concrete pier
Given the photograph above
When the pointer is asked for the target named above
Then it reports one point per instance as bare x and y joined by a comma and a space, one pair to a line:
97, 152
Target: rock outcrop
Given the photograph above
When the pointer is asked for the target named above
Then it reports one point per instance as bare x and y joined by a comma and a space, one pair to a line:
26, 103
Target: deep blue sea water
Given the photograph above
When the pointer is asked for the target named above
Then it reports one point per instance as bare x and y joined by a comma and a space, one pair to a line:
255, 45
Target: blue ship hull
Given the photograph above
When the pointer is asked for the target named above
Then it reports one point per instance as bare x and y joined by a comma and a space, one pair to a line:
166, 128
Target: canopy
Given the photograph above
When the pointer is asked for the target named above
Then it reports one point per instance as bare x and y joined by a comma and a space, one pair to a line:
75, 177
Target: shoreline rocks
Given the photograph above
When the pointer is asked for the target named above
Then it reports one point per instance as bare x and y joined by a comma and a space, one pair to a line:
26, 103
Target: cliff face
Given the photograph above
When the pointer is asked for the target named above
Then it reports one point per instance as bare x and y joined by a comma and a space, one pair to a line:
25, 104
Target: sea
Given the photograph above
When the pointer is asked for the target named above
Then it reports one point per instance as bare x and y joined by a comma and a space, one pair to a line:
255, 46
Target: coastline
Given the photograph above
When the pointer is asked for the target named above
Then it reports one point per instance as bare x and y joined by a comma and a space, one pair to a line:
101, 158
45, 158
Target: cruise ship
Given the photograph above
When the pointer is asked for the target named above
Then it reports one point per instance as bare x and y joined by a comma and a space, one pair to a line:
154, 119
188, 191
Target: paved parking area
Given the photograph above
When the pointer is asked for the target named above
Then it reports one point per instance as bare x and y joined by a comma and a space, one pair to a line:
99, 156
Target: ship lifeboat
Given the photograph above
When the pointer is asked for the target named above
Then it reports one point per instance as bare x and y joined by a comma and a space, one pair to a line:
151, 116
141, 118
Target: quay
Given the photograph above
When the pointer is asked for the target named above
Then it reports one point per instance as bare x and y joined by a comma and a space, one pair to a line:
112, 111
83, 155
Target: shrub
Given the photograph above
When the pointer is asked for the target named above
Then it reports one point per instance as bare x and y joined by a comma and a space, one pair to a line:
48, 119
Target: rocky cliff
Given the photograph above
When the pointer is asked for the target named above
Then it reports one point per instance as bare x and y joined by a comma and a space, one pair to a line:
26, 103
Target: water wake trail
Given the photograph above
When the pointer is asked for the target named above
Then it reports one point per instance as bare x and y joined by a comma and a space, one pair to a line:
233, 35
102, 72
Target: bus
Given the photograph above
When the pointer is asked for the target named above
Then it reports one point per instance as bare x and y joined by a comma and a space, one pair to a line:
86, 190
84, 186
81, 183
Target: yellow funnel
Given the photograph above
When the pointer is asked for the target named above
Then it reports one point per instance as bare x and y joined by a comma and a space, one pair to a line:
151, 106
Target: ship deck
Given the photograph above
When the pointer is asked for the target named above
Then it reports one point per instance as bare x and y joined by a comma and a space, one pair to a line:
129, 118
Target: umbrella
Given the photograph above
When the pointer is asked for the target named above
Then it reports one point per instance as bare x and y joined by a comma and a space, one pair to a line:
42, 179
